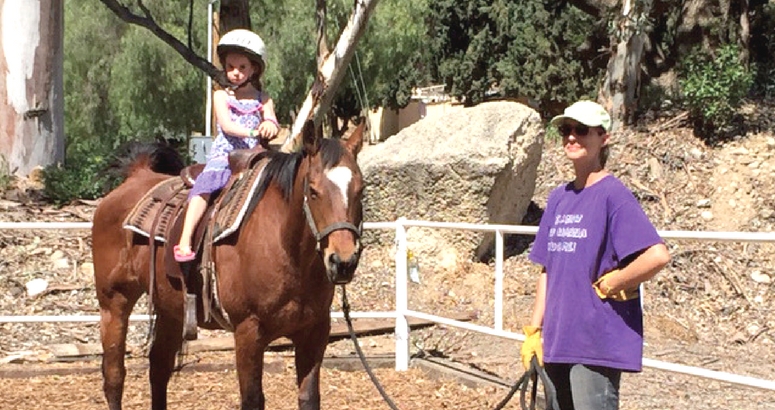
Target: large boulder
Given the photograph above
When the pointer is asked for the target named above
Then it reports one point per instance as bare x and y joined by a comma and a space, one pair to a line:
475, 165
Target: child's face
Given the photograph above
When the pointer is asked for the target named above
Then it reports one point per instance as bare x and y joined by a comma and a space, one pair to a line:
238, 68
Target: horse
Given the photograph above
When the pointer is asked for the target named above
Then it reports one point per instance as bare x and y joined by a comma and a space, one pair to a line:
275, 279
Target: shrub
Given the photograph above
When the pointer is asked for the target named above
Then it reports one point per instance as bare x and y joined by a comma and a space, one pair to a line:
713, 85
82, 176
6, 174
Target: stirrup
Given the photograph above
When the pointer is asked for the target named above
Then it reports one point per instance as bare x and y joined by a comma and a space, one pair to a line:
190, 326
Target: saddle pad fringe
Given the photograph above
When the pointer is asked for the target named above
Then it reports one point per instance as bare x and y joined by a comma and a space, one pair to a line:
235, 204
164, 197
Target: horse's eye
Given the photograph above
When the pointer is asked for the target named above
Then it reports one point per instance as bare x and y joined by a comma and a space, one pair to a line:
313, 193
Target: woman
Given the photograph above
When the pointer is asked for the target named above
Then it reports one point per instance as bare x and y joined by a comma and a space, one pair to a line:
596, 246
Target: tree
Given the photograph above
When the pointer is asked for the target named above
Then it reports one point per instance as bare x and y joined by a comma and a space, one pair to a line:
31, 132
122, 83
330, 71
621, 87
516, 49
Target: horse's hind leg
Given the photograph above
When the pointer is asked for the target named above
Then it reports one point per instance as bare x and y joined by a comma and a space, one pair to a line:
168, 337
310, 347
115, 307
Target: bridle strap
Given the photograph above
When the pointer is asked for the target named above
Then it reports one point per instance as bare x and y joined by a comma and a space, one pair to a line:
336, 226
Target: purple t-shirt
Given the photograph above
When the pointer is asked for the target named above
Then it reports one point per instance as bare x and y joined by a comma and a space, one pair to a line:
584, 234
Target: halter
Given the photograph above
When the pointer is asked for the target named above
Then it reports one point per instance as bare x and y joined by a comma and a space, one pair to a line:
336, 226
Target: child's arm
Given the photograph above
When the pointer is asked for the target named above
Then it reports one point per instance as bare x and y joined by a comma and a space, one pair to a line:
223, 117
269, 127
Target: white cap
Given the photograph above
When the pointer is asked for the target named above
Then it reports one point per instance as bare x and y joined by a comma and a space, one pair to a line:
586, 112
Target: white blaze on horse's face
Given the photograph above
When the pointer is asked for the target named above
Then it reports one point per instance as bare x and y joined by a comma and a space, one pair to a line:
341, 177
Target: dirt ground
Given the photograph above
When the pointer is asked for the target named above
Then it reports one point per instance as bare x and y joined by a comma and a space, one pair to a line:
711, 308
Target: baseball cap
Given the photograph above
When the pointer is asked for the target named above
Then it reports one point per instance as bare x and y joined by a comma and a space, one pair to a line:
586, 112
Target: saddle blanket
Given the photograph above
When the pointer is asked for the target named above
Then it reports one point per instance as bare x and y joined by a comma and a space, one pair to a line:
158, 210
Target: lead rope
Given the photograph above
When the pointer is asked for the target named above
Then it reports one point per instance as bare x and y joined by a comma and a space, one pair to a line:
346, 311
532, 374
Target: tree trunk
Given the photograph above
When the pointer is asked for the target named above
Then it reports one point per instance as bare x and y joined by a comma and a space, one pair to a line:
31, 91
745, 33
234, 14
621, 87
331, 71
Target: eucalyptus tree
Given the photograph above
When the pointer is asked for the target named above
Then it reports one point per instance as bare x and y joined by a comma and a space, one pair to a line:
31, 130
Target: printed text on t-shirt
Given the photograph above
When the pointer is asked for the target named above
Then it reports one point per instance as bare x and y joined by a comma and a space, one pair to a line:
566, 232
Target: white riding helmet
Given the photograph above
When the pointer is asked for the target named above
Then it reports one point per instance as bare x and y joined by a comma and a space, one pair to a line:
243, 41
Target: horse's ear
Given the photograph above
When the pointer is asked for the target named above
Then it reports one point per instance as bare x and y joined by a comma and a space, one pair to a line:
311, 138
355, 142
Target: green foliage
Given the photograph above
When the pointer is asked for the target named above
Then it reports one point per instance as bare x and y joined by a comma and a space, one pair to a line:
6, 174
81, 177
713, 85
122, 83
515, 48
386, 63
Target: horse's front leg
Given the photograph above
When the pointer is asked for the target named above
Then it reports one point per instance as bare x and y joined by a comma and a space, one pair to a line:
249, 349
310, 346
167, 339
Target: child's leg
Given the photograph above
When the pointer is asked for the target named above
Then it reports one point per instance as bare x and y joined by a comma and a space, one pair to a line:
196, 208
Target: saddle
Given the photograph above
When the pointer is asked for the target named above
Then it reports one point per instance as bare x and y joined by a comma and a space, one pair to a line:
159, 216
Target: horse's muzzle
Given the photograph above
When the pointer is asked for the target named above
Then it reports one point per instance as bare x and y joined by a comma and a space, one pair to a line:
341, 272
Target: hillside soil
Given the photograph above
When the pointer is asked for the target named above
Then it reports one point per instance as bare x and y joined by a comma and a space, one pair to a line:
711, 308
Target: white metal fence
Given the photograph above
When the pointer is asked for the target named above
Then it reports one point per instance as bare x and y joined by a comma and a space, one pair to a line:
402, 312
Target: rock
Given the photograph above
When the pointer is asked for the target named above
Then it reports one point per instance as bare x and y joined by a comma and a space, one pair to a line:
706, 215
36, 287
703, 203
87, 270
760, 277
770, 143
475, 165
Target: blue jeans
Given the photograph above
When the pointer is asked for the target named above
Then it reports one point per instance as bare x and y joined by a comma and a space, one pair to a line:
582, 387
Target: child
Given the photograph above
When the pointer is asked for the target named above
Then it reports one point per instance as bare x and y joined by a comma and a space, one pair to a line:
245, 117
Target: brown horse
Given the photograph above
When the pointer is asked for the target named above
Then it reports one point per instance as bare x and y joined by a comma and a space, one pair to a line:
276, 278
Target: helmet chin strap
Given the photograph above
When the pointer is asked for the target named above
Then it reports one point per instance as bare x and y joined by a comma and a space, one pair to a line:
240, 85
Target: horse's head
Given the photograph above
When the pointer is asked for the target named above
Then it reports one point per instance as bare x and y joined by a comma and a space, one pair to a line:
333, 190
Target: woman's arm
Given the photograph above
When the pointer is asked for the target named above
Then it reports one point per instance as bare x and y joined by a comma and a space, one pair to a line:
223, 116
539, 306
643, 268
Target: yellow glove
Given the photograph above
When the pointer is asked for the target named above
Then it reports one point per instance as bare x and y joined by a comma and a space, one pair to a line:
604, 291
532, 346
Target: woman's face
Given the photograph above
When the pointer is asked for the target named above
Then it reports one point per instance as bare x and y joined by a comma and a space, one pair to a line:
238, 68
581, 142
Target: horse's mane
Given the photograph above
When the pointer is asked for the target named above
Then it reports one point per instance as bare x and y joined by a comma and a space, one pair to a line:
156, 156
282, 168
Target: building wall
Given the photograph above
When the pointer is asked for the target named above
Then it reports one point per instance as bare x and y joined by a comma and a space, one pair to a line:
386, 123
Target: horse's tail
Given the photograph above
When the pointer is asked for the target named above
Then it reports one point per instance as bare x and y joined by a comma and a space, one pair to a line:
155, 156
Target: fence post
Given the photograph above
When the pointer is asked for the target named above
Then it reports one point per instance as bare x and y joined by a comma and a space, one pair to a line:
402, 326
498, 280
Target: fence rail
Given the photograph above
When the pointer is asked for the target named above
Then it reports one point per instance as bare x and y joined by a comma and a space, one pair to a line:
402, 312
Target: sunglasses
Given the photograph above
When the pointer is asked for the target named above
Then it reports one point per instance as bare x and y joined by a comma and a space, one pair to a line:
579, 130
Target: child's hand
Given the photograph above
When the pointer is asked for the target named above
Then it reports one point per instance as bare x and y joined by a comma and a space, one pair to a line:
268, 130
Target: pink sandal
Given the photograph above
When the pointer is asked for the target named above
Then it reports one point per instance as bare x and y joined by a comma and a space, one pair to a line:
183, 257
